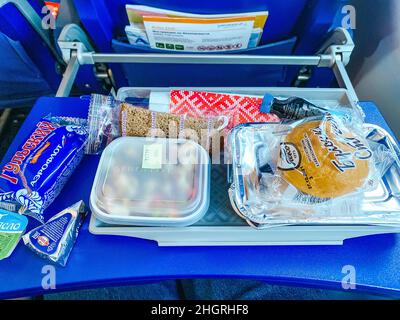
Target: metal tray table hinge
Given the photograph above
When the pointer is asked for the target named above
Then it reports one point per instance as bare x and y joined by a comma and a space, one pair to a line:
339, 46
72, 42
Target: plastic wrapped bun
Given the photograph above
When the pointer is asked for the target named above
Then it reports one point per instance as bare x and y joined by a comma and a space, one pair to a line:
324, 159
317, 170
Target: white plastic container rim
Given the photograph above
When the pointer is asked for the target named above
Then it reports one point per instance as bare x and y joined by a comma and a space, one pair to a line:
197, 214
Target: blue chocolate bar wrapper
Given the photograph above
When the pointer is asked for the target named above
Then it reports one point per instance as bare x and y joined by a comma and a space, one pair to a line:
36, 173
55, 239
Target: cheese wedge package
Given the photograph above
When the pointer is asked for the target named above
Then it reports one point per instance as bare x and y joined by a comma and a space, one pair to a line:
55, 239
292, 172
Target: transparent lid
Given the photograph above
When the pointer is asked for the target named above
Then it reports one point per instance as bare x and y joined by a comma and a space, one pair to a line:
152, 178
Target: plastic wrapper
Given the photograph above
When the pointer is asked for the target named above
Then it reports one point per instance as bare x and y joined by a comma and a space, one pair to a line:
55, 239
34, 176
109, 119
314, 170
296, 108
12, 227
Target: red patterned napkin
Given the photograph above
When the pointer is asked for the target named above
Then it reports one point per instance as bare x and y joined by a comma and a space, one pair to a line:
239, 109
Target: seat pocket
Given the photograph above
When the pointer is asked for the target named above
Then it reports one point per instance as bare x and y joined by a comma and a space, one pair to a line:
211, 75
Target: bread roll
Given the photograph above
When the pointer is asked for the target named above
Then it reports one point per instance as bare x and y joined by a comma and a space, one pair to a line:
324, 159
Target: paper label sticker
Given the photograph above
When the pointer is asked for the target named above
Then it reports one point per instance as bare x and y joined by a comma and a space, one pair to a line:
152, 156
198, 35
290, 157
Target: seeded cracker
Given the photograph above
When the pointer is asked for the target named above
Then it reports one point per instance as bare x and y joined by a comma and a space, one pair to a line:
109, 119
140, 122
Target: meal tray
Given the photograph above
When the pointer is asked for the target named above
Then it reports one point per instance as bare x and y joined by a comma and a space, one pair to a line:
221, 226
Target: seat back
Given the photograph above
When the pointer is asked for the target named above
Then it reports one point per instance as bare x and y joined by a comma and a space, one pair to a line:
28, 68
293, 27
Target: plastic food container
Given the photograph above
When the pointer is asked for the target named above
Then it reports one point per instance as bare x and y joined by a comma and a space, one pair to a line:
151, 182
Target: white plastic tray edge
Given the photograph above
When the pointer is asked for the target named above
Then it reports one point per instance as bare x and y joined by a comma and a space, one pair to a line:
338, 94
243, 235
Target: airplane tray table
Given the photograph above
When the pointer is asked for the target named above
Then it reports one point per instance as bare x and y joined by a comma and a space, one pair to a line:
99, 261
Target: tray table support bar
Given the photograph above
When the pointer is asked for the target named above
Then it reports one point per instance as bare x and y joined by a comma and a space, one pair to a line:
91, 58
343, 79
69, 76
334, 58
